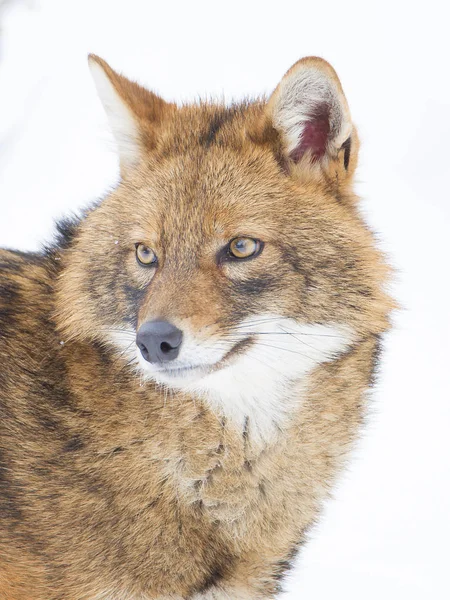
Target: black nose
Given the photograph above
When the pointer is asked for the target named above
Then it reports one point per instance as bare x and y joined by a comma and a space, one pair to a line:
159, 341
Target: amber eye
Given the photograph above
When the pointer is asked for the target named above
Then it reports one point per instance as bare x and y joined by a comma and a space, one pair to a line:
145, 255
243, 247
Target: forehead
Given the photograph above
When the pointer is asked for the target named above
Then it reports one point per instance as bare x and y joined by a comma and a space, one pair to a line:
217, 191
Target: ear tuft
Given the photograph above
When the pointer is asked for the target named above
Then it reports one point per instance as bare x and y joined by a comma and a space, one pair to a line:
309, 110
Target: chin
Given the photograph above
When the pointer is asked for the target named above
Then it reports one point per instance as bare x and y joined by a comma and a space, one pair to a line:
179, 378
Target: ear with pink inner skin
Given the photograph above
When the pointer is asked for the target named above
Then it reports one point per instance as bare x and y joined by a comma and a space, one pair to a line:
311, 114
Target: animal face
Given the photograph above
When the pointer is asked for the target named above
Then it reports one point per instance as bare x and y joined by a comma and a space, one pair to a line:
230, 260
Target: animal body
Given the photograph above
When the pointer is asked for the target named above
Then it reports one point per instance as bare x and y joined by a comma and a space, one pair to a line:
184, 371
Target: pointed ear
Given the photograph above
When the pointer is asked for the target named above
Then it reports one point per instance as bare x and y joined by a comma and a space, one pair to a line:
134, 113
309, 111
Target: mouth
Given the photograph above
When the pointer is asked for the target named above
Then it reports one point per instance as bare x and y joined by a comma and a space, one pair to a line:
173, 373
185, 372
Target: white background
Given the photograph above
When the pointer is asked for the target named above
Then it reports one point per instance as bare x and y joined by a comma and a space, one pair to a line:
386, 534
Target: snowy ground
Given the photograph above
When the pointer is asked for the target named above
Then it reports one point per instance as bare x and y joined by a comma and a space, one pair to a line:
385, 535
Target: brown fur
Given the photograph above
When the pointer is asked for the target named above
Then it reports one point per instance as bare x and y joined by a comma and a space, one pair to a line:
108, 488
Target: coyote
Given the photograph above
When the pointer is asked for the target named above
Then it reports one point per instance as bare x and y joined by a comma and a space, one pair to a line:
184, 370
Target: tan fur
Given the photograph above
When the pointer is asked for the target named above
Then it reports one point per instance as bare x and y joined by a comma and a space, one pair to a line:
112, 488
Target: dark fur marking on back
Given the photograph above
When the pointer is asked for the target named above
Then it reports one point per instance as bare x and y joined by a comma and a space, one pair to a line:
65, 234
74, 444
9, 501
11, 265
8, 322
64, 237
47, 421
9, 291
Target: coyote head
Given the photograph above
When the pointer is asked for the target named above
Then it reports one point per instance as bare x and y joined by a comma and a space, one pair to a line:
230, 260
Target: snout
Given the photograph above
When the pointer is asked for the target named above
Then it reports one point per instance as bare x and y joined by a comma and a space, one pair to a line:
159, 341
